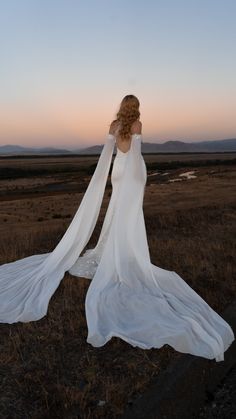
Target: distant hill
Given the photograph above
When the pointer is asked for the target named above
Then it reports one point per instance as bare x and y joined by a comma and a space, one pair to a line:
167, 147
177, 147
16, 149
95, 149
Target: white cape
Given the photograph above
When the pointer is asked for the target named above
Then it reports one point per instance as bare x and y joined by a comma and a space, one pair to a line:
128, 296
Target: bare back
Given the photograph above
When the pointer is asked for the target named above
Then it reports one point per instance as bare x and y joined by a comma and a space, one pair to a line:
123, 144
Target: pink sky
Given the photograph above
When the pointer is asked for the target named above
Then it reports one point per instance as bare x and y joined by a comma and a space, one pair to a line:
74, 124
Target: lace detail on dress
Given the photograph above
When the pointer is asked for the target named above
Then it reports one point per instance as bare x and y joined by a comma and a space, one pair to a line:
86, 265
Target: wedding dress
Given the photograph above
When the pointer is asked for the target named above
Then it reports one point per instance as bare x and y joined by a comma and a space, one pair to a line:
128, 297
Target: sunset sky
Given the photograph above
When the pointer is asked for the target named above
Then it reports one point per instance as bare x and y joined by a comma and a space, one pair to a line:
67, 64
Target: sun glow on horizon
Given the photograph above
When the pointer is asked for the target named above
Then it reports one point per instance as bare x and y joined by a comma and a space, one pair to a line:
72, 125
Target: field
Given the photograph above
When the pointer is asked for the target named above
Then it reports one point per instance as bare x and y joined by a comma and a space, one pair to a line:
47, 368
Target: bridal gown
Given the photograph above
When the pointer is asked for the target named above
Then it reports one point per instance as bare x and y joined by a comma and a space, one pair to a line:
128, 297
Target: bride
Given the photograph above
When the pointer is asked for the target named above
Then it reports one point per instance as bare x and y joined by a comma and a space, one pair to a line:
128, 297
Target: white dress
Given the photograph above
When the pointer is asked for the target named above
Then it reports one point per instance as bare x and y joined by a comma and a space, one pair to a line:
128, 296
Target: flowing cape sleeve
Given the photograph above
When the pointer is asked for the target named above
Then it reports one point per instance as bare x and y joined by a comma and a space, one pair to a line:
82, 225
26, 285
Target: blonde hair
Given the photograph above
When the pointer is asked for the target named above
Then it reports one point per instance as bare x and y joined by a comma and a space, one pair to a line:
127, 114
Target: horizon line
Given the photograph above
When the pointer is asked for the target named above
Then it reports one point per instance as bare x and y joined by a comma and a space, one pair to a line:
70, 148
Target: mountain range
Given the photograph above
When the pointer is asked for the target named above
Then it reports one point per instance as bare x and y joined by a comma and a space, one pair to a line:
17, 149
226, 145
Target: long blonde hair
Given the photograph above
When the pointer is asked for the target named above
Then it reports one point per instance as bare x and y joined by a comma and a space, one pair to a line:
127, 114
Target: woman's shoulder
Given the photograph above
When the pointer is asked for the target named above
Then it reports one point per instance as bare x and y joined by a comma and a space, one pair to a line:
136, 127
113, 126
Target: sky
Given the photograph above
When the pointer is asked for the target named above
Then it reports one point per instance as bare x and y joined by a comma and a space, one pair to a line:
66, 65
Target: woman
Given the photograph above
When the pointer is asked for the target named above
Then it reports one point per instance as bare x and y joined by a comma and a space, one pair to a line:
128, 297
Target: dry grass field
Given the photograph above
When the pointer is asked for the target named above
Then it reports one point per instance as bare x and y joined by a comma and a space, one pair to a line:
47, 369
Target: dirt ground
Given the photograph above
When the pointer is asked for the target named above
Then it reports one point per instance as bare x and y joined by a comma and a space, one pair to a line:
46, 367
222, 404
